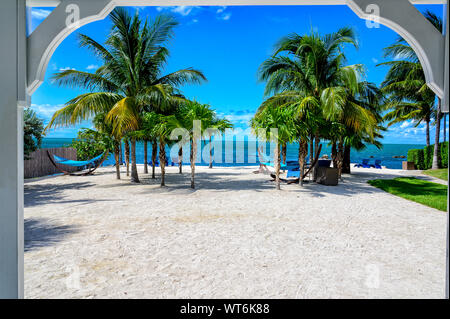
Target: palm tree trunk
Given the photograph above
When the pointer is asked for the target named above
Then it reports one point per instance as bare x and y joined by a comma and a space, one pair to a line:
127, 156
316, 142
436, 138
180, 160
427, 121
210, 152
162, 161
284, 152
154, 154
346, 161
192, 158
145, 158
134, 173
117, 158
334, 154
340, 158
302, 153
316, 147
120, 152
277, 165
445, 127
311, 148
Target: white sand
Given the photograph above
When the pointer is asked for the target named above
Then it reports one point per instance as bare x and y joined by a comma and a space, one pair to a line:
235, 236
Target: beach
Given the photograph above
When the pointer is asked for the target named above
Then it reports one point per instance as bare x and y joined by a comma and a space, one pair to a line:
234, 236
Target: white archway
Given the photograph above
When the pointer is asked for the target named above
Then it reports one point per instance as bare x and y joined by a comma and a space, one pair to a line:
399, 15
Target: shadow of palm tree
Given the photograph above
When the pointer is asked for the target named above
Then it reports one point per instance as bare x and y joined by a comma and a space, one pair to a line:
38, 194
42, 233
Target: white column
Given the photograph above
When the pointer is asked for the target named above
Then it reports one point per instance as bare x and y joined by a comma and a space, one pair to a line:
12, 90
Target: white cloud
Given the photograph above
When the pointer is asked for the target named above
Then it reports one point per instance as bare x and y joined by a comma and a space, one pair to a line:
221, 9
92, 67
405, 124
225, 16
374, 60
40, 13
182, 10
45, 111
65, 69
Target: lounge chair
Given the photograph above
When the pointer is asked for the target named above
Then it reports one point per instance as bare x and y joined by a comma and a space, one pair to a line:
377, 164
295, 172
91, 164
264, 161
364, 164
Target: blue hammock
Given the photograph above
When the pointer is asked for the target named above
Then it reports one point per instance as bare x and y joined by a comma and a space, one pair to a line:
65, 161
91, 165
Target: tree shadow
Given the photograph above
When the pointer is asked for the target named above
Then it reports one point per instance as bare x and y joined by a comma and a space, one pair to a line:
39, 194
40, 233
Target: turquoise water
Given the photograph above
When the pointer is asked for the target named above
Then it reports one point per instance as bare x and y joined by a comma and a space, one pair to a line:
242, 153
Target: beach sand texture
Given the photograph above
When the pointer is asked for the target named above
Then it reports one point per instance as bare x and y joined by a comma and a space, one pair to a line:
235, 236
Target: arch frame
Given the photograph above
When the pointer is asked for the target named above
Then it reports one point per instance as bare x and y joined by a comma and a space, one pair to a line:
399, 15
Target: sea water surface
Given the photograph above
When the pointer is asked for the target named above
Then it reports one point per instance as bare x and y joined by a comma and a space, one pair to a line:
243, 153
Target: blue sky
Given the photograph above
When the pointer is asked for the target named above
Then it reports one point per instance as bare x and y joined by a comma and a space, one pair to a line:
228, 44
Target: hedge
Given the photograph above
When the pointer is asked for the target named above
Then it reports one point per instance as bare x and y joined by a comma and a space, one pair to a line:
423, 158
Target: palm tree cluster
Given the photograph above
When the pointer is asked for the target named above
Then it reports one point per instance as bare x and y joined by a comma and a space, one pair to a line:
314, 96
130, 97
408, 96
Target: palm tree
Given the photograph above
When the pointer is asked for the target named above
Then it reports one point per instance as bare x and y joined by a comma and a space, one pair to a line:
310, 64
220, 125
130, 79
196, 118
409, 96
277, 123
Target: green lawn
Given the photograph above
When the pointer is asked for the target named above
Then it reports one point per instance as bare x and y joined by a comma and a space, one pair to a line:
438, 173
420, 191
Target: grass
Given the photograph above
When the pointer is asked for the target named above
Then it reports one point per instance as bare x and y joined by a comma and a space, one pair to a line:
417, 190
438, 173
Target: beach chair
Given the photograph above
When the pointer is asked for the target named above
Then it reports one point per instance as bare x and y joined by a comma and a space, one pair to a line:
90, 165
364, 164
377, 164
264, 161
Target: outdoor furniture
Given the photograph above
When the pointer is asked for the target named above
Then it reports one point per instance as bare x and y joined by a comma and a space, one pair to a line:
377, 164
327, 176
408, 166
93, 164
364, 164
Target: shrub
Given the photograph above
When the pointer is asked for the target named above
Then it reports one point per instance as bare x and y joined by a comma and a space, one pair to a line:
443, 149
33, 128
90, 143
423, 159
428, 156
417, 157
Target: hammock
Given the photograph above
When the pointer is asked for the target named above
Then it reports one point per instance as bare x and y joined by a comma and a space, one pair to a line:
64, 161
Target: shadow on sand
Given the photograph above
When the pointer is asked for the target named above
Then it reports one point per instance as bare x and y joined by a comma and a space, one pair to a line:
42, 233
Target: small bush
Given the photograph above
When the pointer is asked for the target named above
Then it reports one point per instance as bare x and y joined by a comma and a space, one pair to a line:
417, 157
444, 155
423, 158
428, 156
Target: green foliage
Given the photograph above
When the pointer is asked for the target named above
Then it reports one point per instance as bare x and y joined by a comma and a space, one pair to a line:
90, 143
430, 194
444, 154
33, 128
428, 156
417, 157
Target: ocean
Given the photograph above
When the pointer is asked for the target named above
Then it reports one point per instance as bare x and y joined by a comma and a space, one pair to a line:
243, 153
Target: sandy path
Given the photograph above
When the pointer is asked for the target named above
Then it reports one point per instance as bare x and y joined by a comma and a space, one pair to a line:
235, 236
